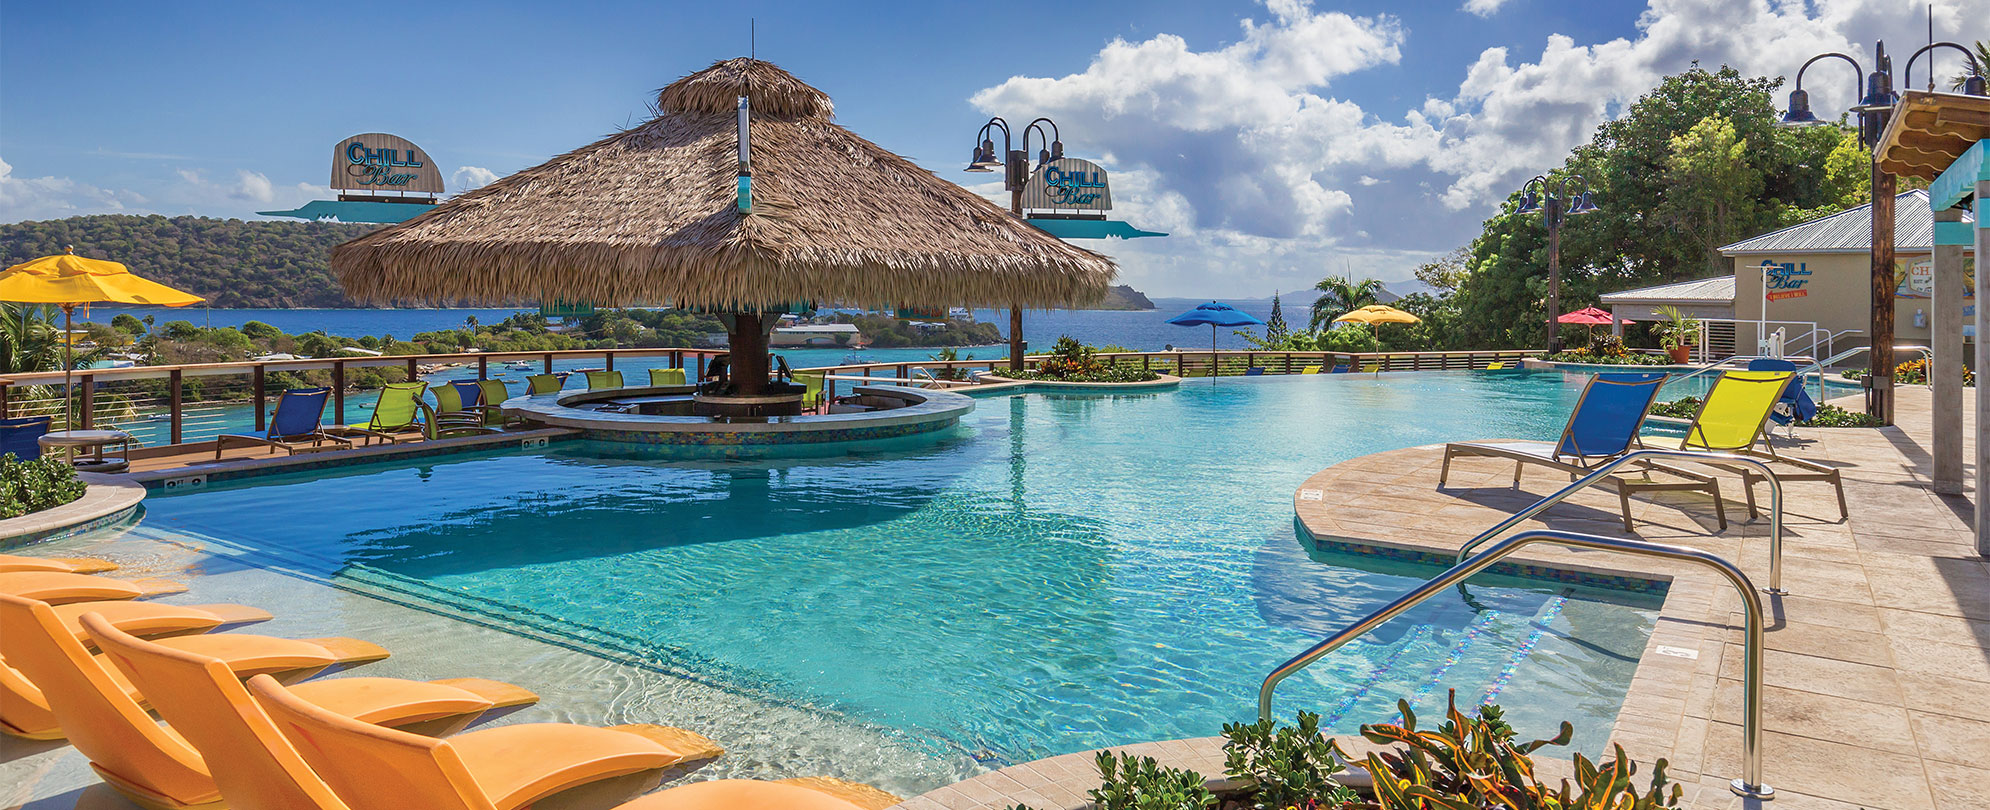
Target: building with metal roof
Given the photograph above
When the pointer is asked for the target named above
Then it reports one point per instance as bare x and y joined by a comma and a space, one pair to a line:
1849, 231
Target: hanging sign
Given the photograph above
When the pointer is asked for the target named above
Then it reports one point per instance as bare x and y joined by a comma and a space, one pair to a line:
376, 161
1068, 184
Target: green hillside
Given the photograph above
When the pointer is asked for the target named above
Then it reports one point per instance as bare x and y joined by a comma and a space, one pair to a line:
231, 262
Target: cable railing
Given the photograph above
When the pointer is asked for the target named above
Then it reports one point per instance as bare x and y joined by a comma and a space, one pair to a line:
1604, 470
1226, 362
1749, 784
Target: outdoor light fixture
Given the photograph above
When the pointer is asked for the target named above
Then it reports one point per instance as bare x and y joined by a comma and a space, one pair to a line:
1799, 114
1015, 164
1556, 203
1972, 86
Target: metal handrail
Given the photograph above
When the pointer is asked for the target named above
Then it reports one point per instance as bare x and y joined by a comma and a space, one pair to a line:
1748, 784
1600, 471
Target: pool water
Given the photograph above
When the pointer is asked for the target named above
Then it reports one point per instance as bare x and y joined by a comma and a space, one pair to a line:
1058, 573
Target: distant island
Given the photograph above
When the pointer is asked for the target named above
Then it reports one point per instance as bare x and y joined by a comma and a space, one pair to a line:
244, 264
1123, 297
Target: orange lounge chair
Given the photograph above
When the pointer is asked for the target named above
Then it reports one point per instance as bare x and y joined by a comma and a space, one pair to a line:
251, 763
750, 794
58, 587
504, 768
152, 619
144, 761
26, 644
10, 563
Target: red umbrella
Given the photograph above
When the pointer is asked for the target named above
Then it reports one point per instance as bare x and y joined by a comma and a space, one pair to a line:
1590, 317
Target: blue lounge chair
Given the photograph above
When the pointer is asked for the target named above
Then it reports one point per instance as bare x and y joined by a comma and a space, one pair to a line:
1254, 371
1603, 426
1341, 368
1796, 404
297, 423
21, 436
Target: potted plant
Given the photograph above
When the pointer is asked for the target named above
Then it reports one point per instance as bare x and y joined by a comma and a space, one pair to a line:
1677, 334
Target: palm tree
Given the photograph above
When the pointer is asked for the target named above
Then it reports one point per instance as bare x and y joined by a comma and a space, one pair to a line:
1341, 295
29, 339
1981, 63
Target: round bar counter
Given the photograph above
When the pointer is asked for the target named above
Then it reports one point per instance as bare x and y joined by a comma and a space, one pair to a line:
662, 415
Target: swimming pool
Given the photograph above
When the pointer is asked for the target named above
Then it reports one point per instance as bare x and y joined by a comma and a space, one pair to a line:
1058, 573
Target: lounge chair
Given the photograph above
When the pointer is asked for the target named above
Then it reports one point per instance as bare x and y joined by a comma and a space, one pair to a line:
459, 408
666, 376
1603, 426
58, 587
297, 423
62, 565
1496, 366
1310, 370
502, 768
1371, 368
812, 394
49, 683
1341, 368
398, 410
1254, 371
599, 380
1795, 405
494, 394
1735, 416
22, 436
545, 383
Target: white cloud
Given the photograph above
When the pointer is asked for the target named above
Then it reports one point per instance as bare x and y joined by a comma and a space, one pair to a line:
471, 177
1483, 8
27, 198
1246, 142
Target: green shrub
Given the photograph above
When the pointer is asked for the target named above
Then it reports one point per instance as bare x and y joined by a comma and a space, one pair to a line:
31, 486
1140, 783
1291, 767
1834, 416
1071, 361
1681, 408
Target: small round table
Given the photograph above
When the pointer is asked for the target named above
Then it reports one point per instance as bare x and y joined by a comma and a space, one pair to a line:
93, 440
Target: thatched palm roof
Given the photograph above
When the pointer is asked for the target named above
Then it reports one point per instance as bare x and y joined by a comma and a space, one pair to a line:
649, 215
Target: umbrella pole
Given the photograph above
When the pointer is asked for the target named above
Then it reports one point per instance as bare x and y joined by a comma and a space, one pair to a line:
68, 368
1214, 361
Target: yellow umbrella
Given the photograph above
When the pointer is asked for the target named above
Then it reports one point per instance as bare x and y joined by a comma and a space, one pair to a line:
69, 280
1376, 314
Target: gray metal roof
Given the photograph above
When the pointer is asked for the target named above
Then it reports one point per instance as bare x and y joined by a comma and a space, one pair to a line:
1719, 289
1849, 231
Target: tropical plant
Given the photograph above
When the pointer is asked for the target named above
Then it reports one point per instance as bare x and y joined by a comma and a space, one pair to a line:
1979, 63
1474, 762
1275, 328
29, 340
31, 486
1072, 361
1915, 372
950, 355
1141, 783
1288, 766
1679, 329
1340, 295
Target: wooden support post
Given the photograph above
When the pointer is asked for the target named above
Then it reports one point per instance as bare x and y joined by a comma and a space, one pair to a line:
548, 364
338, 391
1879, 397
5, 387
89, 401
608, 362
255, 393
176, 416
483, 367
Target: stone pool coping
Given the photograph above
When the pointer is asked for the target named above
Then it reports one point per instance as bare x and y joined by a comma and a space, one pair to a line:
204, 472
107, 501
1163, 382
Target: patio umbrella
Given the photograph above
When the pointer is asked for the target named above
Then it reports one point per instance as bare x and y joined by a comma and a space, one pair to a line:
1590, 317
1376, 314
1214, 315
68, 280
660, 213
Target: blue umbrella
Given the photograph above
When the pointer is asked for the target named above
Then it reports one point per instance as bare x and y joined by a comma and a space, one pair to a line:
1214, 315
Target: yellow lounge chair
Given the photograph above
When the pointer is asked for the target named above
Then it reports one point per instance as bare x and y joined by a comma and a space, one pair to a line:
502, 768
1310, 370
1735, 416
26, 710
544, 383
57, 588
666, 376
1371, 368
812, 393
399, 409
10, 563
152, 619
598, 380
249, 761
1496, 366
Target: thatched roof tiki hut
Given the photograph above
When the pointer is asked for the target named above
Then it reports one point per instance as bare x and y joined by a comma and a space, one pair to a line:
652, 215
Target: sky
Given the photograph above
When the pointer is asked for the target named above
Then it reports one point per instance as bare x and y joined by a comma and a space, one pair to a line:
1276, 141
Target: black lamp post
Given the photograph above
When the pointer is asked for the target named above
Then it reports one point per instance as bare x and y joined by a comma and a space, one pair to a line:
1874, 109
1556, 203
1015, 166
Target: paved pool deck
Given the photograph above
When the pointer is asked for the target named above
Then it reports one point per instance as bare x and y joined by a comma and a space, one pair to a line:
1877, 671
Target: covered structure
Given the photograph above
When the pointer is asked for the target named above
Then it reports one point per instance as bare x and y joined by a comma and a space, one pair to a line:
689, 210
1945, 138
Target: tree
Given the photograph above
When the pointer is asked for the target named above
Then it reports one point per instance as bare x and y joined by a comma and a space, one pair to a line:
1715, 192
1275, 329
1980, 62
1341, 295
1447, 272
127, 323
257, 330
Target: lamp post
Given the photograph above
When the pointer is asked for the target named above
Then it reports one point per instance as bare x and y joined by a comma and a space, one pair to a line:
1556, 204
1873, 109
1015, 165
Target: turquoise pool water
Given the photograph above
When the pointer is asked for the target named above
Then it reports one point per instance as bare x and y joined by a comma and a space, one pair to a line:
1059, 573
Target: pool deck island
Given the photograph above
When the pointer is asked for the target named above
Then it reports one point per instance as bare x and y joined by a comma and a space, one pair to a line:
654, 415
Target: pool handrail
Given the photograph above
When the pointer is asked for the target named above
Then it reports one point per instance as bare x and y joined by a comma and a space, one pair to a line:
1749, 784
1604, 469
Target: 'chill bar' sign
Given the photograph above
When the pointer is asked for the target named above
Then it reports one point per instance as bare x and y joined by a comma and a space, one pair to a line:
376, 161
